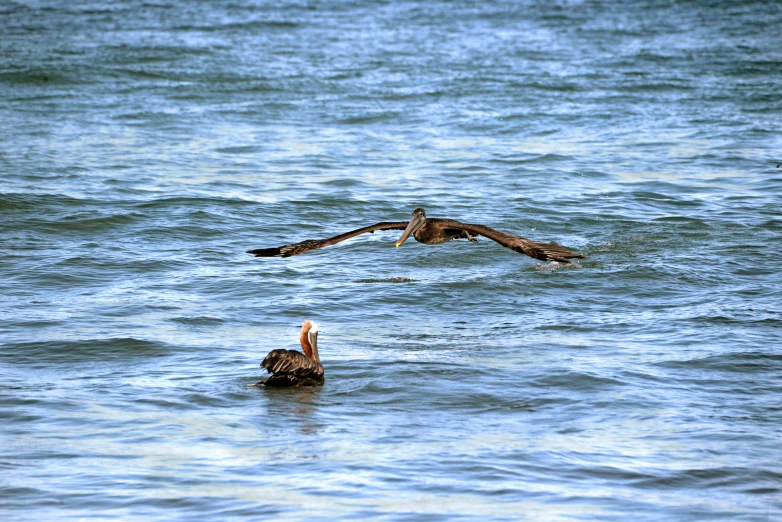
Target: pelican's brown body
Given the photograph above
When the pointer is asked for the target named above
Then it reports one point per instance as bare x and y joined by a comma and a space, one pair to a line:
291, 368
433, 231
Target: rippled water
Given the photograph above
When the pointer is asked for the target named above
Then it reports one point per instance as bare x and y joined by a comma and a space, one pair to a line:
144, 146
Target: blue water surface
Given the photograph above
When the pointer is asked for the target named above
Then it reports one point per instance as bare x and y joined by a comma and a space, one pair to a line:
146, 145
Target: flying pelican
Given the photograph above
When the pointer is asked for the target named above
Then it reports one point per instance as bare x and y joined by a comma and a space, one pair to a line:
292, 368
433, 231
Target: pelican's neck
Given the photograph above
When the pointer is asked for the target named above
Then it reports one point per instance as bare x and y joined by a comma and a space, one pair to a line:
304, 339
419, 230
309, 340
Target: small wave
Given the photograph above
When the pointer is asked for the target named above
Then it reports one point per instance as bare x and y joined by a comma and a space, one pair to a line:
553, 157
368, 118
197, 321
244, 149
12, 201
388, 280
706, 478
655, 87
577, 381
32, 77
548, 86
80, 223
191, 202
45, 353
343, 182
237, 26
744, 362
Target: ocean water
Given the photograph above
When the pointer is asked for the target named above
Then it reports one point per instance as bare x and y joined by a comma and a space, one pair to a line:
146, 145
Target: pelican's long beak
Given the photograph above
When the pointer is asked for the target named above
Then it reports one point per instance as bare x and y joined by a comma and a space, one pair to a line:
416, 222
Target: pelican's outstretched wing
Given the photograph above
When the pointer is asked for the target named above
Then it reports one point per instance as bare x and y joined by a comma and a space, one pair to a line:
313, 244
291, 362
534, 249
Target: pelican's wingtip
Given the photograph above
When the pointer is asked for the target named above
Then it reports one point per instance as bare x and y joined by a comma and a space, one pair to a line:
267, 252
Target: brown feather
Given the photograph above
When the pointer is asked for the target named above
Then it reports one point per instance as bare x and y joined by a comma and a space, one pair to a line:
291, 362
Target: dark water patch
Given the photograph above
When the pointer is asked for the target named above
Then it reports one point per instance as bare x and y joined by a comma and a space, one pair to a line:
343, 183
773, 225
552, 158
552, 86
369, 118
744, 362
144, 74
667, 199
578, 381
743, 319
706, 478
658, 380
429, 372
207, 401
164, 404
694, 223
250, 26
17, 417
655, 87
104, 267
245, 149
20, 493
575, 328
262, 87
90, 222
178, 232
35, 323
491, 403
198, 321
37, 78
200, 203
28, 202
388, 280
124, 53
60, 280
531, 159
43, 353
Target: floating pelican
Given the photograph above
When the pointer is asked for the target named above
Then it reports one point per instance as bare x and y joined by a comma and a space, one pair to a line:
433, 231
292, 368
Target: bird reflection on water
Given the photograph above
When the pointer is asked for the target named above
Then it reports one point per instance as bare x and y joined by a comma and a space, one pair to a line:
295, 403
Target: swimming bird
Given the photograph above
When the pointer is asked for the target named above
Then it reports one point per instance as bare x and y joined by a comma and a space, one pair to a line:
433, 231
292, 368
